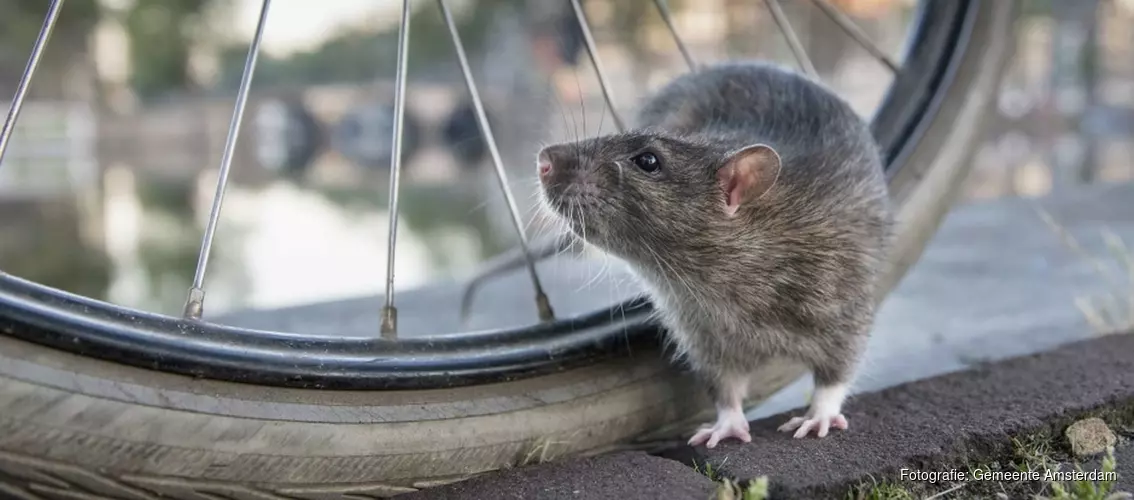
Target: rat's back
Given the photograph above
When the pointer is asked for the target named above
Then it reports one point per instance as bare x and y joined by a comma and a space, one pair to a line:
817, 134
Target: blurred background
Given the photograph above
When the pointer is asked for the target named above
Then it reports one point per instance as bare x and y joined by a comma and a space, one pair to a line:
107, 185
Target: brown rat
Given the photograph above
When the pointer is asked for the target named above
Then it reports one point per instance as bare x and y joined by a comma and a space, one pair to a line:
751, 201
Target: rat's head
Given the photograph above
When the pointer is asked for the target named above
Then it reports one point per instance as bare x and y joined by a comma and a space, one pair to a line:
625, 191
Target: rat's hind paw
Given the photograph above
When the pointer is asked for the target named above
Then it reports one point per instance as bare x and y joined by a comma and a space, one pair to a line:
723, 429
804, 425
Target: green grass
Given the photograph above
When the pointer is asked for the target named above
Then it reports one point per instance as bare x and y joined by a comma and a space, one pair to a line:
1033, 452
1087, 489
1043, 449
1040, 451
875, 490
707, 470
728, 489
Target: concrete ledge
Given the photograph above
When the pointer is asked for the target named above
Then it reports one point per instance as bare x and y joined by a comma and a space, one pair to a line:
942, 422
946, 422
621, 476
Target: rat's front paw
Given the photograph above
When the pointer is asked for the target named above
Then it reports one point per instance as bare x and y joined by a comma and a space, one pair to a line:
725, 428
822, 423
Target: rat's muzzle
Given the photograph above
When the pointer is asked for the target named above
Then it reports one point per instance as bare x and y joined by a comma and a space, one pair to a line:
555, 161
558, 170
568, 187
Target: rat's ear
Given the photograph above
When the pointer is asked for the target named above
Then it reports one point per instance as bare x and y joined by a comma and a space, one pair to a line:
747, 175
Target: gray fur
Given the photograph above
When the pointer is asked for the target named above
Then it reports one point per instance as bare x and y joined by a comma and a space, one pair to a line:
793, 274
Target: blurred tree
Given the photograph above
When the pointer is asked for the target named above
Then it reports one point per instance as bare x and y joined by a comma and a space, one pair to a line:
362, 53
162, 35
20, 22
627, 26
349, 56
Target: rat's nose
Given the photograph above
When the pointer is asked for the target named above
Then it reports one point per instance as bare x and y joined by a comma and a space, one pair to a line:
544, 168
544, 164
556, 161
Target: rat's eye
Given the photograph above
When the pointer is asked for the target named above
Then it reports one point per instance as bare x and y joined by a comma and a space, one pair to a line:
648, 162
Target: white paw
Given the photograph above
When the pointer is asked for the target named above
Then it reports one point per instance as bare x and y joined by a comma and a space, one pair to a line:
820, 423
727, 426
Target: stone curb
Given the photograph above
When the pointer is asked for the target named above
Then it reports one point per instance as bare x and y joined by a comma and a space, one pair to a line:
619, 476
928, 425
937, 422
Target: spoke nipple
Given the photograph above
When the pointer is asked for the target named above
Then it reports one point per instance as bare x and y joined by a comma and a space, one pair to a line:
195, 304
389, 322
544, 306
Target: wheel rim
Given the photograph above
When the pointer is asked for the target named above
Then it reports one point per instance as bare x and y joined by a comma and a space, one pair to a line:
78, 324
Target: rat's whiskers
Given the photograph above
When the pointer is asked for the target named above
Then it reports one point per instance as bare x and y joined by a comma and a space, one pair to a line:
512, 183
572, 242
583, 220
594, 279
582, 103
563, 111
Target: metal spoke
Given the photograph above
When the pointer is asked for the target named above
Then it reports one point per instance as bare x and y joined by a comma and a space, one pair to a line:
26, 78
389, 311
792, 40
508, 261
542, 304
593, 51
542, 250
195, 304
663, 9
854, 31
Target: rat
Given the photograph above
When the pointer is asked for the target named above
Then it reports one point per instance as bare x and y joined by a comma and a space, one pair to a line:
751, 202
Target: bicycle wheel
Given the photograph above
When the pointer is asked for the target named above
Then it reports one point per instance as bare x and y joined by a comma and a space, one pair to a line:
102, 401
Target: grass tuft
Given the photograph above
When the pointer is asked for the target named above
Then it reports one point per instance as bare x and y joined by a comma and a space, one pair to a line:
728, 489
707, 470
1033, 452
1086, 489
875, 490
731, 489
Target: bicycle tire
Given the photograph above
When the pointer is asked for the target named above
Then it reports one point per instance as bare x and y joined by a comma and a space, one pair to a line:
76, 426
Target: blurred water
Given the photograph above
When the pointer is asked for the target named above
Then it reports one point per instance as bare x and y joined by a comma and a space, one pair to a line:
278, 244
